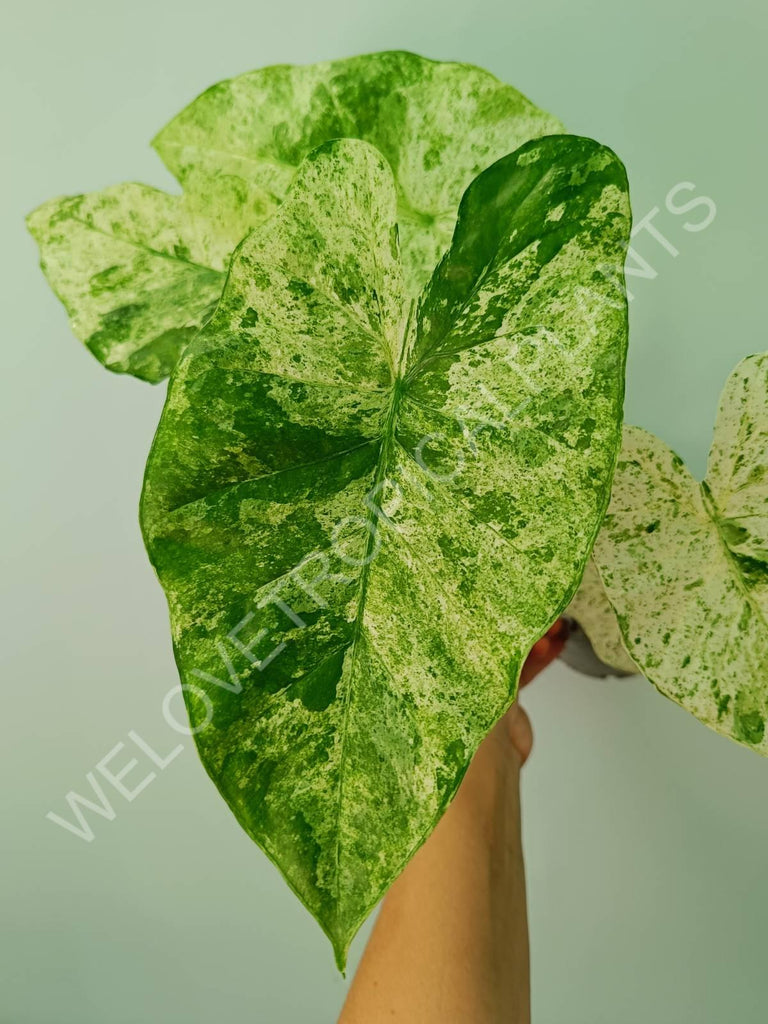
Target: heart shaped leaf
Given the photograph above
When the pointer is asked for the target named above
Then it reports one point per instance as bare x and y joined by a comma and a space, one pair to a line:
685, 566
438, 123
365, 510
139, 271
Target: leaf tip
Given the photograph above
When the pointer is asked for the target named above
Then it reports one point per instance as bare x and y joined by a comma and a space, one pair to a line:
340, 951
35, 220
340, 936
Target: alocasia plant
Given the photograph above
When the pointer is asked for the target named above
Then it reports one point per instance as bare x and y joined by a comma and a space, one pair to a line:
388, 445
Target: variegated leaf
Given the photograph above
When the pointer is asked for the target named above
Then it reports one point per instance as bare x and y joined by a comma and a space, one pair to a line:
364, 511
593, 612
139, 271
438, 123
686, 565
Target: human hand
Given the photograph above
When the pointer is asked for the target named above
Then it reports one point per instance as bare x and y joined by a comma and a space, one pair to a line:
542, 654
494, 771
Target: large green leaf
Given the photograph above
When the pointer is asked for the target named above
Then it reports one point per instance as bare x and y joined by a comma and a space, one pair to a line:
139, 271
685, 565
439, 124
364, 511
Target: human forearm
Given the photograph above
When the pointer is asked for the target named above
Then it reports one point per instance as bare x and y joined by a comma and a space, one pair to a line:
451, 943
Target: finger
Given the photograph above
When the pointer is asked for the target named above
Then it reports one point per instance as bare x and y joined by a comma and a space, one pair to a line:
520, 733
544, 651
559, 628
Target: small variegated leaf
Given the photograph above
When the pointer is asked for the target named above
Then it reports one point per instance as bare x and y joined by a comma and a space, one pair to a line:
685, 565
593, 612
138, 271
364, 511
438, 123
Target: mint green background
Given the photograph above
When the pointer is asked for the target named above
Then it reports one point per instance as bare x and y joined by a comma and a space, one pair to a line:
647, 836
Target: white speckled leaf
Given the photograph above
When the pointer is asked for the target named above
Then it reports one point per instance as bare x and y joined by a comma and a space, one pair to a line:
438, 123
593, 612
138, 271
686, 565
364, 513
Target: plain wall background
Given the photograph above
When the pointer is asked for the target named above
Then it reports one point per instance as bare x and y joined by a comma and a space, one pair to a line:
647, 835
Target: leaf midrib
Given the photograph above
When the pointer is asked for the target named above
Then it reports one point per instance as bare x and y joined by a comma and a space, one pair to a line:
142, 247
402, 377
713, 515
387, 445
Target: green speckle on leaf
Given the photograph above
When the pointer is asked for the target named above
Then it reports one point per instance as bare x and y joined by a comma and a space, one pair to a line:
749, 726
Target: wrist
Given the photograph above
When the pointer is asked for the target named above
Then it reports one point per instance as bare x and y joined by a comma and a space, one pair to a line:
487, 803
